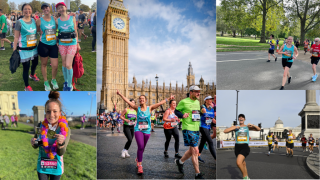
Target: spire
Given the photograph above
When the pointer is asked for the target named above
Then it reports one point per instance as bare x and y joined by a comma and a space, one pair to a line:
190, 69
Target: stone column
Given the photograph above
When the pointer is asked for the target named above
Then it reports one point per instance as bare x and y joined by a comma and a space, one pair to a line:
311, 98
38, 116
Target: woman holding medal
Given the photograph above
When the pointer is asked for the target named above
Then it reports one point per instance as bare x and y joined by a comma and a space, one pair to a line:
129, 115
241, 148
55, 135
47, 46
142, 128
207, 116
170, 129
25, 36
68, 43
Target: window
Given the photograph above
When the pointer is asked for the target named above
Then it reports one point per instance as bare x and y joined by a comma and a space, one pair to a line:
153, 101
139, 93
146, 94
153, 94
131, 93
160, 95
12, 96
14, 106
14, 113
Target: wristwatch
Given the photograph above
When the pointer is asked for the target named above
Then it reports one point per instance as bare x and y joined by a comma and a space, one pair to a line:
62, 143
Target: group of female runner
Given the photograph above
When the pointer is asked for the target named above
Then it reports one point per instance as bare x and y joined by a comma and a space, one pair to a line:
26, 42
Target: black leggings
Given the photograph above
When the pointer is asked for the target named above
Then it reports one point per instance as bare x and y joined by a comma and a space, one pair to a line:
129, 133
26, 67
94, 37
269, 146
205, 137
42, 176
168, 133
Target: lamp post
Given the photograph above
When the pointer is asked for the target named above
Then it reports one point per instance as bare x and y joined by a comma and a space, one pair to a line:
237, 106
92, 95
157, 78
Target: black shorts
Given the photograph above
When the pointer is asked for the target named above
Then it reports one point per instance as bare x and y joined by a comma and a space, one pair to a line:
311, 144
290, 145
243, 149
153, 121
271, 51
315, 60
100, 121
114, 122
3, 35
285, 62
304, 144
275, 142
47, 50
306, 49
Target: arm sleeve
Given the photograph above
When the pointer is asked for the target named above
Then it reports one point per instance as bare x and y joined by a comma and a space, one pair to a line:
60, 152
178, 114
18, 26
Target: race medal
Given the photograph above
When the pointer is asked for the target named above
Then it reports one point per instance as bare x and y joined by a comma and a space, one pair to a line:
49, 163
174, 124
50, 134
195, 115
242, 136
31, 40
50, 34
208, 120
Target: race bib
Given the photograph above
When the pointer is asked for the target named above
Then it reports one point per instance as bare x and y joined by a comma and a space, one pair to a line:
50, 34
66, 40
242, 136
31, 40
315, 54
288, 53
174, 124
305, 46
49, 163
270, 139
143, 125
195, 115
208, 120
131, 123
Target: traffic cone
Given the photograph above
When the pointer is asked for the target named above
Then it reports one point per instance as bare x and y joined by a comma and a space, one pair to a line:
277, 48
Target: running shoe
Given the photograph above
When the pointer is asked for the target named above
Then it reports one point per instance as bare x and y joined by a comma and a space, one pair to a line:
79, 40
28, 88
282, 87
112, 132
200, 160
166, 154
291, 155
123, 154
289, 80
205, 146
2, 48
152, 130
85, 37
11, 45
127, 154
178, 156
47, 86
137, 162
199, 176
268, 153
276, 59
140, 170
54, 84
70, 88
246, 177
65, 85
180, 166
93, 51
34, 77
268, 61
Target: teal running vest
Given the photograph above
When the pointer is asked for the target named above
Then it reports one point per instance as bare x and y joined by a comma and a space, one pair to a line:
242, 135
48, 31
66, 26
143, 121
28, 34
289, 53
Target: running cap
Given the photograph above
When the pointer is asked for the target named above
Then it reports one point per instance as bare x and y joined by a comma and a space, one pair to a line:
114, 109
93, 10
194, 88
208, 97
241, 115
45, 5
61, 3
81, 9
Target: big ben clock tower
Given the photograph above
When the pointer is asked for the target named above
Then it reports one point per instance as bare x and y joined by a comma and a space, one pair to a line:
115, 55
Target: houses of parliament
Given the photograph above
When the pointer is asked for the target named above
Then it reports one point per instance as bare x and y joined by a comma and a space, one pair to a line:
115, 67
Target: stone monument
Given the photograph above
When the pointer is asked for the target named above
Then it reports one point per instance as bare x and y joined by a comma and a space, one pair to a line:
310, 115
38, 116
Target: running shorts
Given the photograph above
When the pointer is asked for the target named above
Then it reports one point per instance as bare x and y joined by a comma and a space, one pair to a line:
286, 144
153, 121
275, 142
243, 149
114, 122
100, 121
290, 145
315, 60
3, 35
71, 50
80, 26
190, 138
304, 144
271, 51
45, 50
305, 49
285, 63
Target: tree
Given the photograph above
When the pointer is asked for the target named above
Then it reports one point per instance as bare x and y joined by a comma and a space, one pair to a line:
78, 2
221, 25
36, 6
13, 6
94, 6
73, 6
4, 6
84, 7
308, 12
264, 6
20, 5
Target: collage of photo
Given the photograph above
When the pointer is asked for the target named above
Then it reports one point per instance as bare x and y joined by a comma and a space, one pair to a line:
144, 77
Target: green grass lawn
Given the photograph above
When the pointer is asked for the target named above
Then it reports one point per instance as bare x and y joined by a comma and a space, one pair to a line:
223, 44
14, 82
18, 160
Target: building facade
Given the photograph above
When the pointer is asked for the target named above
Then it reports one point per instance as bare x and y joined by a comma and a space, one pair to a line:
115, 67
9, 103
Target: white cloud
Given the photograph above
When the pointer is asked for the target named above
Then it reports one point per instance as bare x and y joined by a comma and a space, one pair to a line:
198, 3
211, 13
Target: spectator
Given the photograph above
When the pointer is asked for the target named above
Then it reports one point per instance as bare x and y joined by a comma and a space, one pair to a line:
1, 122
16, 119
6, 118
9, 25
13, 121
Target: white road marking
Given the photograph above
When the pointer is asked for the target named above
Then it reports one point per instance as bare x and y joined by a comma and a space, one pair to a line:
243, 60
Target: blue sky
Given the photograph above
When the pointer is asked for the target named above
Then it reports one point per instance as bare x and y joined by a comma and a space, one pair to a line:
164, 36
86, 2
262, 106
78, 102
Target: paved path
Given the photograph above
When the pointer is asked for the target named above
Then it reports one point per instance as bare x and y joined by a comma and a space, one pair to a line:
261, 166
250, 71
87, 136
111, 166
313, 163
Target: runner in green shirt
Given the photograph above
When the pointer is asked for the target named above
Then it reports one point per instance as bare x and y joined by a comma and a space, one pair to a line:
3, 30
190, 108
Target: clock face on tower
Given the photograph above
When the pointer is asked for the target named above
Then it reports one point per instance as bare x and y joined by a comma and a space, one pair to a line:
118, 23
